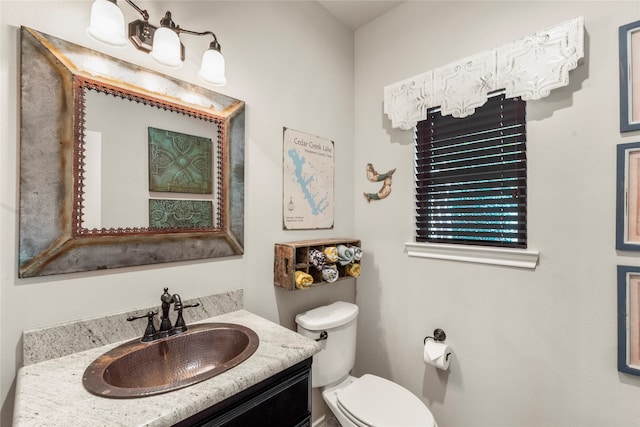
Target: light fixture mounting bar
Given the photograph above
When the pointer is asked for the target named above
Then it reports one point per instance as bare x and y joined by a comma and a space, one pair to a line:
213, 45
144, 13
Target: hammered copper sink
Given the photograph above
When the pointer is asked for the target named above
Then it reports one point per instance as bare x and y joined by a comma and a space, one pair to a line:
138, 369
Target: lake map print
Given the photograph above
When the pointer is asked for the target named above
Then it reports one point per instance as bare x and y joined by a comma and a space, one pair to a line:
308, 169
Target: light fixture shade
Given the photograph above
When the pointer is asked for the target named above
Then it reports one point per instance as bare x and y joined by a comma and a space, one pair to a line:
166, 47
107, 23
212, 69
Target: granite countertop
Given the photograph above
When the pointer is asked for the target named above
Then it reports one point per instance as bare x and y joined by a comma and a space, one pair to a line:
51, 393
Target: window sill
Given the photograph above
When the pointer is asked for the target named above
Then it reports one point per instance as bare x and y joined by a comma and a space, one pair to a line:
520, 258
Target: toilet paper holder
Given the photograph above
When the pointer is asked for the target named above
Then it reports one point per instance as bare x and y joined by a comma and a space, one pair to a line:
438, 335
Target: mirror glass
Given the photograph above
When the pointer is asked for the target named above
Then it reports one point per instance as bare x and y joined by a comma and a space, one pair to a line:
117, 161
122, 166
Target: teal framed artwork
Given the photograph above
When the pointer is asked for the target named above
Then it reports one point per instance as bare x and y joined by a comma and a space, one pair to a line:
180, 213
179, 163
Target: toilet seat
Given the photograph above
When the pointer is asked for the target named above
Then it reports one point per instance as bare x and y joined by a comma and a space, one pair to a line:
371, 401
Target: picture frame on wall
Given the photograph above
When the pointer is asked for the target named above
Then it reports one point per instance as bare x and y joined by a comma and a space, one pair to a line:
629, 45
308, 181
629, 319
628, 197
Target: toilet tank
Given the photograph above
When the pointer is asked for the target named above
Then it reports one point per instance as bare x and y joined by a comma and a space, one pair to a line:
336, 359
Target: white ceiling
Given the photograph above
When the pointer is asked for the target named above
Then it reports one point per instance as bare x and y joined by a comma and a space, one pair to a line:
356, 13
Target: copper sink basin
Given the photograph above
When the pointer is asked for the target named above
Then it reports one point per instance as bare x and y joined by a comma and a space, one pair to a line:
137, 369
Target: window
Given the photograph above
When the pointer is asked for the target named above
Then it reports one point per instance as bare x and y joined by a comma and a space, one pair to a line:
471, 176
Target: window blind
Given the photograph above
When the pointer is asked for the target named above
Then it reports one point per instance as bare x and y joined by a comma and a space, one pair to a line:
471, 176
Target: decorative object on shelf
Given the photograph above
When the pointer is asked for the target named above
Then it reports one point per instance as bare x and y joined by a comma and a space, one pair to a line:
629, 319
345, 254
330, 273
162, 43
303, 280
629, 45
628, 197
357, 253
291, 259
307, 164
352, 269
374, 176
530, 68
331, 254
54, 237
317, 258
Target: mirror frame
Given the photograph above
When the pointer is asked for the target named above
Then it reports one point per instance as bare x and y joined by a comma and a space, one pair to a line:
53, 75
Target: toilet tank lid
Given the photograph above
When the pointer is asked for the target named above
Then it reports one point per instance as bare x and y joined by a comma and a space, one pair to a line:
329, 316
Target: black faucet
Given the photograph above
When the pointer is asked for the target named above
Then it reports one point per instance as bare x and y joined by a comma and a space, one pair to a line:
166, 329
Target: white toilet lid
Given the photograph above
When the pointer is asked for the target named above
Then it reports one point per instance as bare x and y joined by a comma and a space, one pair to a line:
377, 402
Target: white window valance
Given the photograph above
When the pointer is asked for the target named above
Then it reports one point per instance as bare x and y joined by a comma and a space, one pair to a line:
530, 68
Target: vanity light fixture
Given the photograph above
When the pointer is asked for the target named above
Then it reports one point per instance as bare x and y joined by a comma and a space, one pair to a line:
162, 43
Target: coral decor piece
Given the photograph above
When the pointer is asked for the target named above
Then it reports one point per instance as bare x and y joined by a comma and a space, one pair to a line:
374, 176
530, 68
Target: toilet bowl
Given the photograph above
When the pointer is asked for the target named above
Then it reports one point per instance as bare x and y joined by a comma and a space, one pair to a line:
371, 401
368, 401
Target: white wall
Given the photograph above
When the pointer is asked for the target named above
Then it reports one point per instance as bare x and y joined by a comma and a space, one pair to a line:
291, 62
532, 348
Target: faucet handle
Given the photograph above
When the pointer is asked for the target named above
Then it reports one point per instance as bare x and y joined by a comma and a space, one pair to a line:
180, 325
150, 332
195, 304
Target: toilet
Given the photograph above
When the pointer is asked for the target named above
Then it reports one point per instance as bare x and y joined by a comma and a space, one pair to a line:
368, 401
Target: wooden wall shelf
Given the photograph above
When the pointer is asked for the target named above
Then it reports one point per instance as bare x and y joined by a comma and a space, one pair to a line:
294, 256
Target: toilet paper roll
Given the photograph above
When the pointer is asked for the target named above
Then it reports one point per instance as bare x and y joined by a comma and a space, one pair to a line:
437, 354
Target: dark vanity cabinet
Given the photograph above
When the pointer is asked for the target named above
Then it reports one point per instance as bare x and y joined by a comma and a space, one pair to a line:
283, 400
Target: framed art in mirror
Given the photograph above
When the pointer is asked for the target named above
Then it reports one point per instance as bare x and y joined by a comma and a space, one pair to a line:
629, 45
628, 197
89, 149
629, 319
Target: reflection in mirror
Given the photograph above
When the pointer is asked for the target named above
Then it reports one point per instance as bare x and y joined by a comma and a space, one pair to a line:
117, 190
122, 166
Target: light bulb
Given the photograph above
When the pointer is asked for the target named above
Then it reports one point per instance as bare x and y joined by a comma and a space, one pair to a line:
212, 69
107, 23
166, 47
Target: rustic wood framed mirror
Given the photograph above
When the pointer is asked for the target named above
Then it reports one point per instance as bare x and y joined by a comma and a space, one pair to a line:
122, 166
